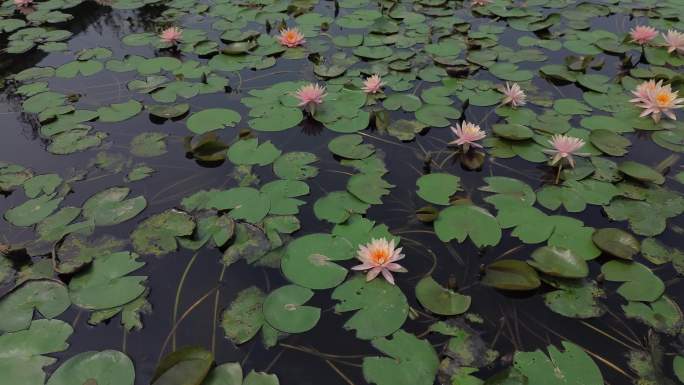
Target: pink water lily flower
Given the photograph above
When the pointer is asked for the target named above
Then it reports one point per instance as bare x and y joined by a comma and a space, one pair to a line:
23, 3
475, 3
372, 84
642, 34
513, 95
674, 41
172, 35
467, 134
380, 256
657, 99
564, 147
310, 95
291, 37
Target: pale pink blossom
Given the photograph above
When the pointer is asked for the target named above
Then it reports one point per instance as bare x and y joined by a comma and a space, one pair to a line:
674, 40
380, 256
467, 134
657, 99
475, 3
310, 95
513, 95
23, 3
642, 34
291, 37
172, 35
373, 84
644, 90
564, 147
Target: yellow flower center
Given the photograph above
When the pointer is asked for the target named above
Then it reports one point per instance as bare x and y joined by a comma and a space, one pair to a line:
291, 36
379, 256
664, 99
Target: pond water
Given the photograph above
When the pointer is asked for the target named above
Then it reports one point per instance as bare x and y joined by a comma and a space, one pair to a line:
161, 196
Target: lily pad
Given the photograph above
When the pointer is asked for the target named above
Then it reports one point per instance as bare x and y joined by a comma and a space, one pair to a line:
157, 234
108, 367
641, 172
350, 147
284, 309
243, 319
559, 262
107, 283
640, 282
186, 366
119, 112
438, 187
617, 243
309, 261
212, 119
609, 142
250, 152
572, 366
411, 361
22, 353
467, 220
511, 274
368, 188
381, 308
110, 207
49, 298
440, 300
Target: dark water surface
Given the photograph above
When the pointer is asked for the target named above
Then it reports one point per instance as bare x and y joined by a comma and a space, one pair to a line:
510, 321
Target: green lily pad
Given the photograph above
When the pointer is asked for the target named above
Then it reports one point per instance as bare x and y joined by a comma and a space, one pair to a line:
467, 220
663, 314
513, 131
149, 144
411, 361
381, 308
640, 282
33, 211
572, 366
338, 206
509, 192
243, 202
49, 298
284, 309
108, 367
282, 193
308, 261
250, 152
186, 366
231, 374
119, 112
436, 115
22, 353
438, 187
511, 274
559, 262
243, 319
440, 300
212, 119
368, 188
157, 234
169, 111
609, 142
576, 299
110, 207
350, 147
296, 165
641, 172
107, 283
617, 243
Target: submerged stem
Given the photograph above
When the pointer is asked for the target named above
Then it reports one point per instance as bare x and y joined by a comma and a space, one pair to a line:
179, 289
